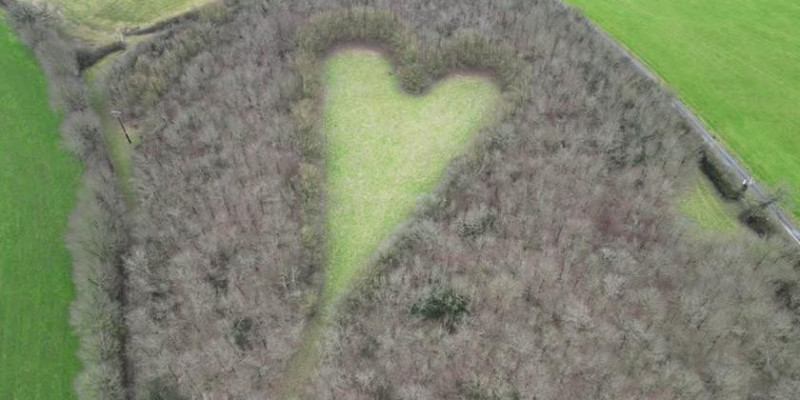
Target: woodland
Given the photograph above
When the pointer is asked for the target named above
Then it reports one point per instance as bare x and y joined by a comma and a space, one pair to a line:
549, 262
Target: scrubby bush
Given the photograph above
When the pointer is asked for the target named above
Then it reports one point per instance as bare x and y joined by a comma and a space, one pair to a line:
443, 304
81, 132
757, 218
475, 221
242, 331
722, 176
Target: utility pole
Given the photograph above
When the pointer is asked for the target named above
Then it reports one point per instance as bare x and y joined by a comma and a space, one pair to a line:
118, 114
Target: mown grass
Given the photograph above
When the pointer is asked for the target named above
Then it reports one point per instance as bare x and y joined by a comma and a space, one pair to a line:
386, 149
108, 15
38, 179
119, 150
705, 207
736, 63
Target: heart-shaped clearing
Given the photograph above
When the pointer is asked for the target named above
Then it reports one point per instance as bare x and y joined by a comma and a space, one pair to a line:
386, 148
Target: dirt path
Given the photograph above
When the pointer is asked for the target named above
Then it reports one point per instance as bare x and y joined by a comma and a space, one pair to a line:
307, 357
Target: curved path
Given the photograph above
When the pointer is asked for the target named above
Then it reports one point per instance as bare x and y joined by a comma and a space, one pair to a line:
730, 161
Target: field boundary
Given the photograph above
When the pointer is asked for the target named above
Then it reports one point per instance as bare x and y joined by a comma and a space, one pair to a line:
729, 160
97, 228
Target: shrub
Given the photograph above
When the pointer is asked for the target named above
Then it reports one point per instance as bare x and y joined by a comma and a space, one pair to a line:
758, 219
384, 392
475, 221
81, 133
788, 294
74, 99
443, 304
724, 179
242, 331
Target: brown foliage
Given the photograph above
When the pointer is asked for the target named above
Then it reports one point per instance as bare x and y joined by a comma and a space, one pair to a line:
557, 231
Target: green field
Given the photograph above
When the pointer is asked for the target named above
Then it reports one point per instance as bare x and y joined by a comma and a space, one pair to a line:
111, 14
705, 207
386, 149
735, 62
37, 184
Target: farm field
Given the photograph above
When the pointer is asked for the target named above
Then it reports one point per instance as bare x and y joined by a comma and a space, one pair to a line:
386, 149
735, 63
38, 179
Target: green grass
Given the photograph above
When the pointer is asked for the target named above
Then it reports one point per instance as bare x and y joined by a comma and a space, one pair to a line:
119, 150
386, 149
108, 15
705, 207
37, 184
735, 62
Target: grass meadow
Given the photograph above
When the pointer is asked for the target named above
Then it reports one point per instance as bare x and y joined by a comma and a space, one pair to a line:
387, 149
735, 63
38, 179
107, 15
705, 207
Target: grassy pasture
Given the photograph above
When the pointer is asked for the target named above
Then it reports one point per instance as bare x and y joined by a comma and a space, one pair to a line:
386, 149
107, 15
37, 184
736, 63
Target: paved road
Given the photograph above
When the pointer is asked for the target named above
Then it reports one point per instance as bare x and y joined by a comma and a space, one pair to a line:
730, 161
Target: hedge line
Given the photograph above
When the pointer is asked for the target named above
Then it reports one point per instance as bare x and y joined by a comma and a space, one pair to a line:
724, 179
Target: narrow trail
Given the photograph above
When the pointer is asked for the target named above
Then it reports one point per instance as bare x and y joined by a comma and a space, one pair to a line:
306, 359
730, 161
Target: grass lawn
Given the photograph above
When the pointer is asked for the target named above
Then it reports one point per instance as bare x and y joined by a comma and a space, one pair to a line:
386, 149
705, 207
37, 184
735, 62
